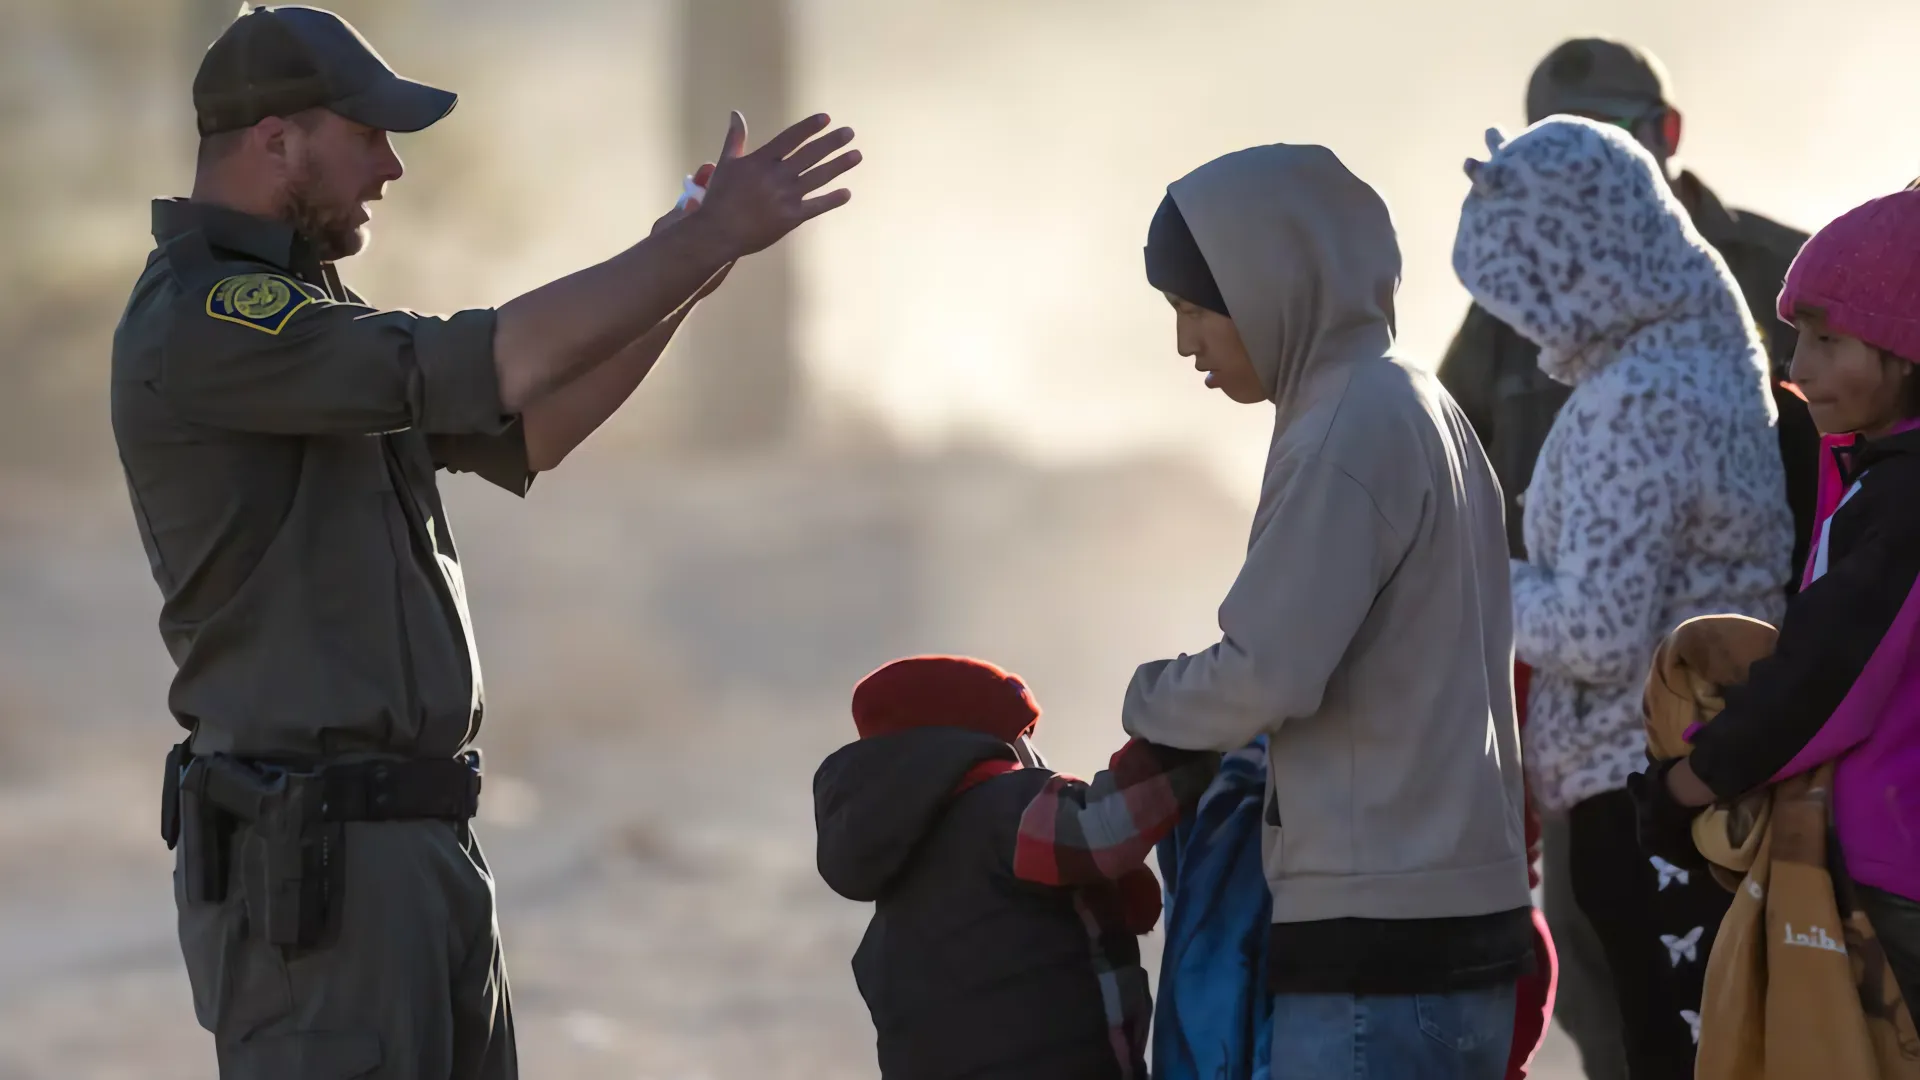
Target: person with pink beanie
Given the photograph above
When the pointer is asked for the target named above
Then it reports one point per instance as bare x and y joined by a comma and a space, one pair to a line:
1843, 684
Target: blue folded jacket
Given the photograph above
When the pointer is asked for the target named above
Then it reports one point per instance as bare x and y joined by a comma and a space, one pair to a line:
1213, 1020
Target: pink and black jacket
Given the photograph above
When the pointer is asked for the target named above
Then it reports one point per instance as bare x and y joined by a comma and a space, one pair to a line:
1843, 684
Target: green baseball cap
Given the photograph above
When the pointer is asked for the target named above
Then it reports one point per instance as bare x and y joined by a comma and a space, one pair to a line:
277, 61
1596, 77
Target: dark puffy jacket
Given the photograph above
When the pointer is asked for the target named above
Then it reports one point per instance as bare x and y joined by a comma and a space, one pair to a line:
967, 970
1494, 373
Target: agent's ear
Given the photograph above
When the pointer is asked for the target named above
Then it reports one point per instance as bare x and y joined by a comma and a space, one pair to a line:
1495, 140
271, 134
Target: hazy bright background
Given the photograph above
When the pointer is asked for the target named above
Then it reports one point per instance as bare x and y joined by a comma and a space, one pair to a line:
1000, 451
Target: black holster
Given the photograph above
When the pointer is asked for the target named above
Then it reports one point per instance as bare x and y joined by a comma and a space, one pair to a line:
293, 888
297, 821
306, 869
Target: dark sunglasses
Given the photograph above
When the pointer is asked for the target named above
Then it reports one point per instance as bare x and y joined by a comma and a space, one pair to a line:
1632, 124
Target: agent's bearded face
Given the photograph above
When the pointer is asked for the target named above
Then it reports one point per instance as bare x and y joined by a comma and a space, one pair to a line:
336, 226
337, 168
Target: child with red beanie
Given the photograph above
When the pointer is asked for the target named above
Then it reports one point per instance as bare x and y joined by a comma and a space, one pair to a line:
1007, 897
1843, 684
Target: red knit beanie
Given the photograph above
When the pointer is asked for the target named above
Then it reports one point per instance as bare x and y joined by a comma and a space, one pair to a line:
1863, 272
944, 691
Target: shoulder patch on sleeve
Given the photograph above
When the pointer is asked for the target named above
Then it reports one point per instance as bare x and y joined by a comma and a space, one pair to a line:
262, 301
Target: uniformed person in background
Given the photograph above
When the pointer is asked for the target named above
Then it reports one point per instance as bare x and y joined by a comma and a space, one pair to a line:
281, 439
1495, 376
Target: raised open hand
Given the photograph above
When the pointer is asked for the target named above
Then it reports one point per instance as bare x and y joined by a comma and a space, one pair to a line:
756, 198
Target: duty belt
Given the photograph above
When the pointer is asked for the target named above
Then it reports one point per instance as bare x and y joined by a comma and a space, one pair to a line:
299, 810
445, 788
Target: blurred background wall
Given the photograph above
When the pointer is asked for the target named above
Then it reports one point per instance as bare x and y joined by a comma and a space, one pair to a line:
948, 417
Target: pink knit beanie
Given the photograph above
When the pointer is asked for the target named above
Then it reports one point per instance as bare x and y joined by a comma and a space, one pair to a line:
1863, 271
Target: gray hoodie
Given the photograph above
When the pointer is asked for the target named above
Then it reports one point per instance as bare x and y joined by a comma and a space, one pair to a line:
1370, 631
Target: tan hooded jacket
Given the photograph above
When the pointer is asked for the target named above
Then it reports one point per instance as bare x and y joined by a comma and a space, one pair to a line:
1370, 631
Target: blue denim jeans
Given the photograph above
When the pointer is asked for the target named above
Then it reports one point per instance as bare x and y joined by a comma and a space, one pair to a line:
1459, 1036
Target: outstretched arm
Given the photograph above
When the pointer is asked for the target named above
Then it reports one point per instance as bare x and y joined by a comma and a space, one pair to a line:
562, 420
326, 368
557, 333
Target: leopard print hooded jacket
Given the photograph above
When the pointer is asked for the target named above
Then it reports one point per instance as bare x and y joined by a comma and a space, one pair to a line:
1659, 493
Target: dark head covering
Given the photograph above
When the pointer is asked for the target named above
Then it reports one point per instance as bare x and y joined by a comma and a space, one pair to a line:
1174, 262
944, 691
278, 61
1597, 77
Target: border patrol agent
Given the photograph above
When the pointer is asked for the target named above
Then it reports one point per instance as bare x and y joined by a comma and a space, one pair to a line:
1494, 374
280, 439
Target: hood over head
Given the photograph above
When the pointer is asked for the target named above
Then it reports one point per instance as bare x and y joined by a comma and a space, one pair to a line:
1571, 235
874, 800
1304, 254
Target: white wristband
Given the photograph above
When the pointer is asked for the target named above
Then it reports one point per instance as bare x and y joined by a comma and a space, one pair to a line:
688, 191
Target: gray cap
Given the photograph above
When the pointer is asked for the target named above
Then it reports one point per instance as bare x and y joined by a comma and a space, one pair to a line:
277, 61
1598, 77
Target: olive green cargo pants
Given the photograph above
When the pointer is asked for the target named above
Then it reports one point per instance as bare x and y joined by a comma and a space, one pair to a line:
413, 986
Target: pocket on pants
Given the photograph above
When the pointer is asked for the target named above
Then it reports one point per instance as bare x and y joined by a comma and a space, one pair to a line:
239, 981
307, 1055
1469, 1020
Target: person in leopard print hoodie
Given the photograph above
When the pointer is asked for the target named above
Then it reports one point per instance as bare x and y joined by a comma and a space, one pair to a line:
1659, 495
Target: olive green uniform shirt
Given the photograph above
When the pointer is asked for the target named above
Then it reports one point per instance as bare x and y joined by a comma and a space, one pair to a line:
280, 440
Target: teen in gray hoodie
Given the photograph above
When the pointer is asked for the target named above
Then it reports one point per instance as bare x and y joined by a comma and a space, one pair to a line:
1369, 635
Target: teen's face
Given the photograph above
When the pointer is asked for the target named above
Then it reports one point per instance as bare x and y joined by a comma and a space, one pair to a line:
1213, 342
1849, 385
